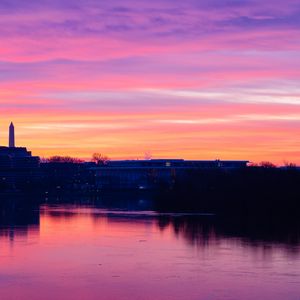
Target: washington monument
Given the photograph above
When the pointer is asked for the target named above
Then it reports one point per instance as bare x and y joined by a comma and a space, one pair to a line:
11, 142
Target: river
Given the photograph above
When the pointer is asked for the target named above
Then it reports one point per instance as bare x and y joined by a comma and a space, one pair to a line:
76, 251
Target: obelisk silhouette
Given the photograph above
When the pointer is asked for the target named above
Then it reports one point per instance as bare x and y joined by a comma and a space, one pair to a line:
11, 143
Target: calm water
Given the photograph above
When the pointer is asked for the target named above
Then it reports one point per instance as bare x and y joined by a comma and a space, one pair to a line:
79, 252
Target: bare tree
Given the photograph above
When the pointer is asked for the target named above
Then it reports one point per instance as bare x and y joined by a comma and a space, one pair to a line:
100, 159
267, 164
290, 165
64, 159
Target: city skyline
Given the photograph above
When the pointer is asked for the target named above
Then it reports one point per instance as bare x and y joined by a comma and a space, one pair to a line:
195, 80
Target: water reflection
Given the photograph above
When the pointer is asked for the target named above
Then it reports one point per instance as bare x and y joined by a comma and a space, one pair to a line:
18, 218
126, 251
205, 232
196, 229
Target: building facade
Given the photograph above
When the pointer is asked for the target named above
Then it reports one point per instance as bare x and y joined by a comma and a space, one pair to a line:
154, 173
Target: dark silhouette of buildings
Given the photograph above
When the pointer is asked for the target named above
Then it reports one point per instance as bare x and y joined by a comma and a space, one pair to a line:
153, 173
18, 168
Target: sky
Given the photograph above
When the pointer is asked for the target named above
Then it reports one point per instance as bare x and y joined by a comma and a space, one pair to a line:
189, 79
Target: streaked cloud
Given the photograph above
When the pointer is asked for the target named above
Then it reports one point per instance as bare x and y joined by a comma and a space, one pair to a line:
194, 78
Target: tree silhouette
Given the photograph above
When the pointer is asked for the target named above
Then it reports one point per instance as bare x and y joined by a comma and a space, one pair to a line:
64, 159
290, 165
267, 164
100, 159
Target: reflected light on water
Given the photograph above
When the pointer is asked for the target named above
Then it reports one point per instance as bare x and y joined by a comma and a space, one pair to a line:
75, 252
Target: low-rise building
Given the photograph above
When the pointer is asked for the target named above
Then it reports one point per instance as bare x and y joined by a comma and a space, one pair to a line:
151, 174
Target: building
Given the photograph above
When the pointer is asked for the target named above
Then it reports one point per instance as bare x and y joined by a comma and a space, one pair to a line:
151, 174
18, 168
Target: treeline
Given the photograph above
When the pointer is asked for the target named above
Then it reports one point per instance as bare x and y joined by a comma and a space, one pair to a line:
97, 158
251, 192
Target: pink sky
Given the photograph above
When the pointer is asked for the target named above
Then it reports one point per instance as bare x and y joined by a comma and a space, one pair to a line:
189, 79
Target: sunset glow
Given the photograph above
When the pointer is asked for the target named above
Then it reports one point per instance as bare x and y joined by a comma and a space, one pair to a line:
187, 79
